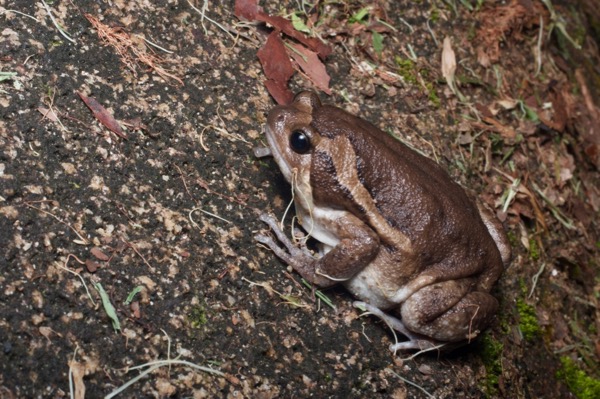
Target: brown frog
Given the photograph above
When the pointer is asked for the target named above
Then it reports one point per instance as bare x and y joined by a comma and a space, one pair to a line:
392, 226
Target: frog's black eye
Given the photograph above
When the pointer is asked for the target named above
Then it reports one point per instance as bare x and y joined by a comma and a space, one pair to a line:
299, 142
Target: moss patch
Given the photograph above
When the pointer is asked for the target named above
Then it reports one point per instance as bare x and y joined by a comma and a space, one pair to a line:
582, 385
528, 322
492, 360
406, 69
197, 316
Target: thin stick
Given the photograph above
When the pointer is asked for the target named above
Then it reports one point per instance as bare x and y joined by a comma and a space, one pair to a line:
85, 242
21, 13
78, 275
56, 24
413, 384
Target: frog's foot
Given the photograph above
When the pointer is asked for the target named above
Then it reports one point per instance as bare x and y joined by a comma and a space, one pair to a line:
299, 258
415, 342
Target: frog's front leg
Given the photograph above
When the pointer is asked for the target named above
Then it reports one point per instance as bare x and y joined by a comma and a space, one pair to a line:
357, 247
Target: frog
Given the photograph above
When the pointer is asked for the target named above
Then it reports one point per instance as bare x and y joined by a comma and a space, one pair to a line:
390, 225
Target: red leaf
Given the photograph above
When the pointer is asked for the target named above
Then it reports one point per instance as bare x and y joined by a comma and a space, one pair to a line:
103, 115
99, 254
281, 94
277, 66
246, 9
135, 309
91, 266
275, 60
286, 27
312, 66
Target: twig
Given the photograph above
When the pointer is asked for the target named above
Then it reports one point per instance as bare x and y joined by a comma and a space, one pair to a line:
56, 24
208, 213
71, 389
21, 13
564, 220
78, 275
320, 295
413, 384
155, 45
84, 241
405, 22
138, 253
168, 347
535, 279
435, 40
286, 298
203, 17
538, 57
184, 182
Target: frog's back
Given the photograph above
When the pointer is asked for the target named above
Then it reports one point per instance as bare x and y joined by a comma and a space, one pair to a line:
412, 192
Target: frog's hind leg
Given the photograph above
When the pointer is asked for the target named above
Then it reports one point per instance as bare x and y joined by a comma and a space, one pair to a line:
416, 342
449, 311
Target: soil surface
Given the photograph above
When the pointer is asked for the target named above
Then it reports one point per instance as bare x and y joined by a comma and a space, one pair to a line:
163, 206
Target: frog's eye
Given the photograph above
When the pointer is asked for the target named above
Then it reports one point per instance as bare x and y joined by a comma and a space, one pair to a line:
300, 142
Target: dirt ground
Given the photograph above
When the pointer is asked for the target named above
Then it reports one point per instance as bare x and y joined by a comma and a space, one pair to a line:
169, 204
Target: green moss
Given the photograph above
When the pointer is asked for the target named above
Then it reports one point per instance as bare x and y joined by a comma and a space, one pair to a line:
197, 316
534, 249
433, 97
406, 69
435, 15
528, 322
512, 239
472, 32
491, 354
582, 385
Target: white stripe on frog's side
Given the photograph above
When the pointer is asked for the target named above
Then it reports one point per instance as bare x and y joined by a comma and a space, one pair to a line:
347, 176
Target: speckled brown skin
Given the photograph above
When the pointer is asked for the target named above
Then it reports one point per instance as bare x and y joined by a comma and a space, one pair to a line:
397, 231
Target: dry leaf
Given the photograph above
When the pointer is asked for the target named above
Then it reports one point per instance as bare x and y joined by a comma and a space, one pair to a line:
91, 266
78, 372
103, 115
48, 113
448, 63
312, 66
285, 26
278, 68
246, 9
97, 252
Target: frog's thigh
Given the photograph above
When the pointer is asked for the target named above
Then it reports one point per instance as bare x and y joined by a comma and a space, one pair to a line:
448, 311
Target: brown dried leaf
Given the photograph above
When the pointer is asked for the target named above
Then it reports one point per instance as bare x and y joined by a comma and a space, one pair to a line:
499, 22
48, 113
91, 266
103, 115
274, 59
78, 372
281, 94
448, 62
46, 332
97, 252
246, 9
285, 25
278, 68
312, 66
135, 309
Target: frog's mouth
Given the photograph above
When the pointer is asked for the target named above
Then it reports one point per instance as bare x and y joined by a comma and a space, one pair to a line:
274, 151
